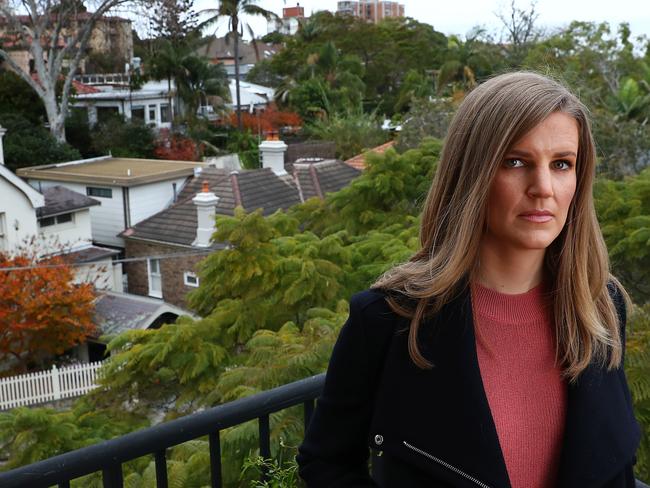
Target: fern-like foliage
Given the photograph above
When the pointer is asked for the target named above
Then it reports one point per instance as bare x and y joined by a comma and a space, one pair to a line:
637, 368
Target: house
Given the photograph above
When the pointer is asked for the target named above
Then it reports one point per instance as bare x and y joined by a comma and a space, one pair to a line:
370, 10
130, 190
252, 97
151, 104
56, 221
110, 45
219, 50
186, 227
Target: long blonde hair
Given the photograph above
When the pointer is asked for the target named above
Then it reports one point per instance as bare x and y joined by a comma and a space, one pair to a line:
488, 122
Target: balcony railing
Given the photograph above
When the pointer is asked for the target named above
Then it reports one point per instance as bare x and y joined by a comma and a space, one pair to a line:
109, 456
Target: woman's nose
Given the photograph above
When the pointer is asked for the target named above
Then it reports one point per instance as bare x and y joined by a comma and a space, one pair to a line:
541, 183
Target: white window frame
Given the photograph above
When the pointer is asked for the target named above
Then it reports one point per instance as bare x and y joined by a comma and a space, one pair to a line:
189, 274
150, 274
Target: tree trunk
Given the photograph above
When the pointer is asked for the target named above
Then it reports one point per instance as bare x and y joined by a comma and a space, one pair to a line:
235, 28
54, 117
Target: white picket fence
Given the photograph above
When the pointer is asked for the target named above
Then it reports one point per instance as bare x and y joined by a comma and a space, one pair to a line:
45, 386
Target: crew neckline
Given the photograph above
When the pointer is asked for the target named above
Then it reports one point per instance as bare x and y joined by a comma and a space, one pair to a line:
530, 306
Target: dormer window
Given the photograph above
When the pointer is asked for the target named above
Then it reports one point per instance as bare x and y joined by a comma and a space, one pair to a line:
55, 220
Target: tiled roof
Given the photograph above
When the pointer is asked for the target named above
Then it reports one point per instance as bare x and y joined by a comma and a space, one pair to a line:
118, 312
359, 161
251, 189
60, 200
90, 254
316, 179
218, 48
82, 89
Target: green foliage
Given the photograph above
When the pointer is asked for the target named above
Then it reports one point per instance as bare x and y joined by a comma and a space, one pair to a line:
246, 145
32, 434
279, 475
352, 132
624, 212
425, 118
26, 144
637, 369
18, 98
126, 139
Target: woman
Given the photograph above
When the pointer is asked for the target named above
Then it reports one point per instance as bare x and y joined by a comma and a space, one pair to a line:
494, 357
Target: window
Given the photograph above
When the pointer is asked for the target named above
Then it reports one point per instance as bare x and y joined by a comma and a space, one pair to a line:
155, 278
63, 218
137, 113
47, 221
92, 191
58, 219
165, 114
152, 114
191, 279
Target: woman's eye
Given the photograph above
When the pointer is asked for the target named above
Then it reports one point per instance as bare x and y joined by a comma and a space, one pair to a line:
513, 163
562, 164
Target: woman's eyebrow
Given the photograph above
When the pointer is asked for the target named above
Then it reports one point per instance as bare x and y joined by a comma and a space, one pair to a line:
526, 154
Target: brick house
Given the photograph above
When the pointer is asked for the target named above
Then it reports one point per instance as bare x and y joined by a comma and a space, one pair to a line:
185, 228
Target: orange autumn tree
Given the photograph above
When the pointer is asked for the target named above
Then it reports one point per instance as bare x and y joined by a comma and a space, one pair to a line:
269, 120
42, 311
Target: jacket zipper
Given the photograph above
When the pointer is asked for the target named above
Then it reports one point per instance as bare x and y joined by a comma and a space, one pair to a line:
446, 465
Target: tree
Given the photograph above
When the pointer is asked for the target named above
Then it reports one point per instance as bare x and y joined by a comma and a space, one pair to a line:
174, 20
28, 144
233, 11
197, 80
126, 139
17, 97
464, 61
521, 31
42, 311
56, 34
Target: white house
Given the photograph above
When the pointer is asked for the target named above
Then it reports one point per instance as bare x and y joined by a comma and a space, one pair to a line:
150, 104
130, 190
56, 222
252, 97
18, 204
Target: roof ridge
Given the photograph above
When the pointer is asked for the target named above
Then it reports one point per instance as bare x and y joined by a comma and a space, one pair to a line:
234, 183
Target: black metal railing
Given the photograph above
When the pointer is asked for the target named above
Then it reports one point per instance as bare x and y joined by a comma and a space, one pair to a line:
109, 456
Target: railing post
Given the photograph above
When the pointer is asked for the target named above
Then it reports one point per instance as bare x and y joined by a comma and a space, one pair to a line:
265, 442
161, 469
215, 459
56, 386
112, 476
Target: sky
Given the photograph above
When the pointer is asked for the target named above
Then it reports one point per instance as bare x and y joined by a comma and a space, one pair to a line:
459, 17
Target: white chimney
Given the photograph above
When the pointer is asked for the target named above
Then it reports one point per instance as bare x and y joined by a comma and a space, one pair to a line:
3, 131
272, 151
205, 202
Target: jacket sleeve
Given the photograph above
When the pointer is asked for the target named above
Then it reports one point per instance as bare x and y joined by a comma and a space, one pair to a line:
335, 450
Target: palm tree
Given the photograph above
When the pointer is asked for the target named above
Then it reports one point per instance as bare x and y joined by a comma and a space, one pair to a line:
463, 60
233, 10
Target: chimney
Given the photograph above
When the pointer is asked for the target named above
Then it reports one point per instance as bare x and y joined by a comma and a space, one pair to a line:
3, 131
272, 152
205, 202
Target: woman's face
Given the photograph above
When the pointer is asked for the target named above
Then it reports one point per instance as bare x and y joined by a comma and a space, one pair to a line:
531, 193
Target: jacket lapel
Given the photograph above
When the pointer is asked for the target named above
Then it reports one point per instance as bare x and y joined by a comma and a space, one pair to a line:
462, 431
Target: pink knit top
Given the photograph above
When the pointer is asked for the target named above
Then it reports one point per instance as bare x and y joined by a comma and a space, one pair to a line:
527, 396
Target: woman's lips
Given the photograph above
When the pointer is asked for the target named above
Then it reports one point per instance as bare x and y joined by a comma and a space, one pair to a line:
537, 216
